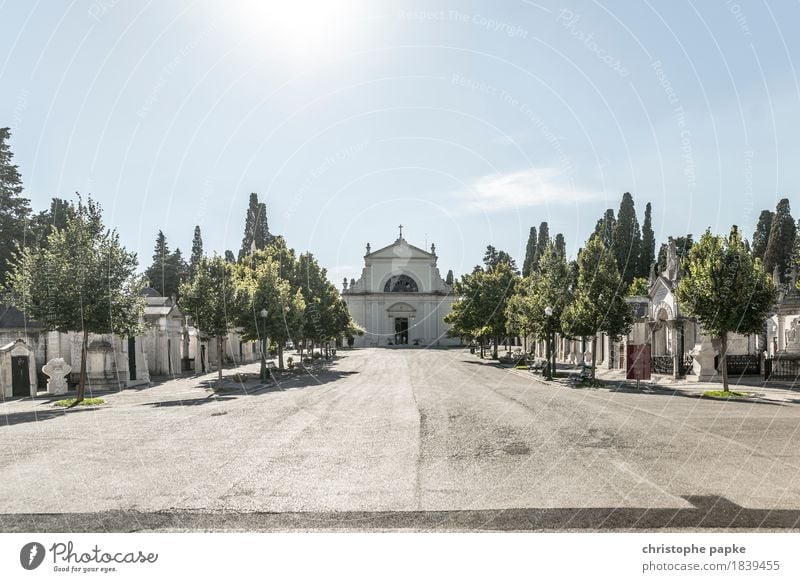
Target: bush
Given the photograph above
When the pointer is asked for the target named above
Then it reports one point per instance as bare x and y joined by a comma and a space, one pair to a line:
316, 355
66, 403
290, 362
240, 377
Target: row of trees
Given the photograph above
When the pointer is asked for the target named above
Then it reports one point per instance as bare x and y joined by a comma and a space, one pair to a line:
271, 293
723, 285
64, 268
632, 247
168, 270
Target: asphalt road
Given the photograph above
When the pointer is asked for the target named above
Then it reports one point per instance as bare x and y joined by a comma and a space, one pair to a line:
399, 439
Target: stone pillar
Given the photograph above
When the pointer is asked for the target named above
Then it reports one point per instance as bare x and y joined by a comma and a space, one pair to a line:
781, 333
676, 348
608, 352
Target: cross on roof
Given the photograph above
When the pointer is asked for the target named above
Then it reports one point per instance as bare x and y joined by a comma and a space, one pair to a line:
401, 231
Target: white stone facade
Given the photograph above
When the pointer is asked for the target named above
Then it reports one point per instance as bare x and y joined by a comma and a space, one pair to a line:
400, 298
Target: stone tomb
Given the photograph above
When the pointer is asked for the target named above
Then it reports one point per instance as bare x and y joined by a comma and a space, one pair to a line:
17, 370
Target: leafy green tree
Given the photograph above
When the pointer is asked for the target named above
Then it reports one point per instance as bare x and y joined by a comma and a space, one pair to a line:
494, 257
83, 279
210, 299
530, 252
229, 257
781, 241
546, 287
326, 316
761, 234
197, 251
599, 300
638, 287
258, 278
14, 208
725, 289
465, 318
480, 310
627, 239
647, 252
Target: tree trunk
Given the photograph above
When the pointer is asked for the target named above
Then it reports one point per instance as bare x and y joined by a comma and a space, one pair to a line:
723, 355
219, 360
594, 352
280, 356
84, 354
495, 346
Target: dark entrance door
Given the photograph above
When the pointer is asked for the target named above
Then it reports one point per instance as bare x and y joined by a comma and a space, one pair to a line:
20, 378
203, 358
400, 330
132, 356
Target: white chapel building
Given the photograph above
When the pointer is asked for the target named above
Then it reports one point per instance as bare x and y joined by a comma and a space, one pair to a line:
400, 298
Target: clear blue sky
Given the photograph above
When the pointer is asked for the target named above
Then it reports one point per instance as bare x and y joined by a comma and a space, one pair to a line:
468, 122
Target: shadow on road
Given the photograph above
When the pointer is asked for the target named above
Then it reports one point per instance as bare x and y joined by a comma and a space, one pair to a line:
13, 418
707, 512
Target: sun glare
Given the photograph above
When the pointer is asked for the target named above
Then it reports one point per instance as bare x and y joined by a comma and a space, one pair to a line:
302, 30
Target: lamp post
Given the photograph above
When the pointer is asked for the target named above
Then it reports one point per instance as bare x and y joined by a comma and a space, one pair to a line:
548, 311
263, 314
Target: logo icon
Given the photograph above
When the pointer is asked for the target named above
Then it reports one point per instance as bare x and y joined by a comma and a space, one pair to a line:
31, 555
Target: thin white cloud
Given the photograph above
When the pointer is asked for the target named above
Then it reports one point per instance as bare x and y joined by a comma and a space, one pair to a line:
524, 188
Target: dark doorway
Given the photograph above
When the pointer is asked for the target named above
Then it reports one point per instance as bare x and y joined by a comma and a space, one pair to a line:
132, 357
169, 357
400, 330
20, 376
203, 358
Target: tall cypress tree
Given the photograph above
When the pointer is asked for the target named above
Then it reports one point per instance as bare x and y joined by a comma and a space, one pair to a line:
541, 245
627, 239
256, 230
647, 252
761, 234
781, 241
14, 209
605, 228
229, 256
561, 246
161, 273
180, 270
530, 252
197, 251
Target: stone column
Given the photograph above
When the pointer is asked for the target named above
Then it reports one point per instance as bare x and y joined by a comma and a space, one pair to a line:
781, 333
676, 325
608, 352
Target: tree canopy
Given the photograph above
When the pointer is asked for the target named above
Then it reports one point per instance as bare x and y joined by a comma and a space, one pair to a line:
83, 279
725, 289
599, 299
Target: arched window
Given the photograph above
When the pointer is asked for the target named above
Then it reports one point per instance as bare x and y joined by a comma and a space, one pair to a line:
400, 284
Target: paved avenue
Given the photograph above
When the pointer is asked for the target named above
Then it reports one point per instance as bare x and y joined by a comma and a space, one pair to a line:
400, 439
